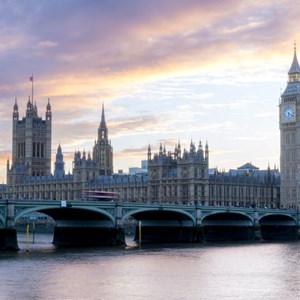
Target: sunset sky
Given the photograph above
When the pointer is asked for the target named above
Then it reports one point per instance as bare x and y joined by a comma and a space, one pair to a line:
165, 70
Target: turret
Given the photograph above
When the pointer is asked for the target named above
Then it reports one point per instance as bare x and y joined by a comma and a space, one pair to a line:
175, 152
200, 150
35, 110
48, 111
59, 165
269, 174
192, 147
29, 108
160, 150
16, 111
179, 149
206, 151
149, 152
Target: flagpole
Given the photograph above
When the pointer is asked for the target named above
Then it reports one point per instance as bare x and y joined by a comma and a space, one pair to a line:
32, 88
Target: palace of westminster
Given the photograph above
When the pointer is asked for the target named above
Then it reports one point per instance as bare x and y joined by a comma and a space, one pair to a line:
177, 176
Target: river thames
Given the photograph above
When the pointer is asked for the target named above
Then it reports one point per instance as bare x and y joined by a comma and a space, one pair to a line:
257, 270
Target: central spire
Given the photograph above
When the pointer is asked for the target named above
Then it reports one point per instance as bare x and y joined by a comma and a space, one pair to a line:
102, 130
103, 152
102, 114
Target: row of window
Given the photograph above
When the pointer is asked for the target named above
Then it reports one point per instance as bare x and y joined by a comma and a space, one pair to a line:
38, 150
290, 173
290, 137
240, 191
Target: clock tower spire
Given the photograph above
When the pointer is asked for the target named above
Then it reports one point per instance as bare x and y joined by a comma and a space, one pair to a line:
289, 124
294, 72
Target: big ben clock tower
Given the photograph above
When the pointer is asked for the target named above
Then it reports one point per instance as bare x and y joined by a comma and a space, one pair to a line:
289, 120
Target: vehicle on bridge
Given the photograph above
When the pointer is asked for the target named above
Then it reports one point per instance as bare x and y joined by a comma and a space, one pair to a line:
93, 195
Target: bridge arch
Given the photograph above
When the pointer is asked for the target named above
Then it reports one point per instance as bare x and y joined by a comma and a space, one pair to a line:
48, 209
278, 217
135, 212
228, 226
78, 225
216, 214
278, 226
162, 225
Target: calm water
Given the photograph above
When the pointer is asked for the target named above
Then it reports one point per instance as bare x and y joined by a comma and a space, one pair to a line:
202, 271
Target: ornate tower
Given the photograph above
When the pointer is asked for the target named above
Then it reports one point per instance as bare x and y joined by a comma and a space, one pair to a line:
31, 144
289, 123
59, 165
103, 151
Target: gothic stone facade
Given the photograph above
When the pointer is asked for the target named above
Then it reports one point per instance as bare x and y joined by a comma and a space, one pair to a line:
178, 176
31, 144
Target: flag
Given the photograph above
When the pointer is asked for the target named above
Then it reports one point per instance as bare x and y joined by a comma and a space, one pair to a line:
31, 78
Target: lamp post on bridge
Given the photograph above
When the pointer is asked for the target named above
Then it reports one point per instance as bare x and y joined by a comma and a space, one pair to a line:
198, 234
120, 233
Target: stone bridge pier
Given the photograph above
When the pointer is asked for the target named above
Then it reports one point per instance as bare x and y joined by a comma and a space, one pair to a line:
8, 234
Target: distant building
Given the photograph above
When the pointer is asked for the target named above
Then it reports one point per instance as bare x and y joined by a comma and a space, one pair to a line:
245, 186
137, 170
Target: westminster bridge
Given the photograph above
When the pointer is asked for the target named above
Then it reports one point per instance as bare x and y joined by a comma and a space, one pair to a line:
95, 223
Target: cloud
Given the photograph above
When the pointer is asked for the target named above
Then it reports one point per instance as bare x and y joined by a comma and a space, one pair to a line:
138, 39
135, 152
45, 44
164, 69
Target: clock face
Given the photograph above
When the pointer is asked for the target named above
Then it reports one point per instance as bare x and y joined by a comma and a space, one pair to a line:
288, 114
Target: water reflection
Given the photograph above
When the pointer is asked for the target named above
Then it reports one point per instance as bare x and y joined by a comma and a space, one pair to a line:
198, 271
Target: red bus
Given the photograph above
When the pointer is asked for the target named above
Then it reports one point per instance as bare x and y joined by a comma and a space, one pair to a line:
99, 195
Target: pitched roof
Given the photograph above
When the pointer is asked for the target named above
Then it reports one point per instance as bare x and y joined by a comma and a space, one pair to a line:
248, 166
